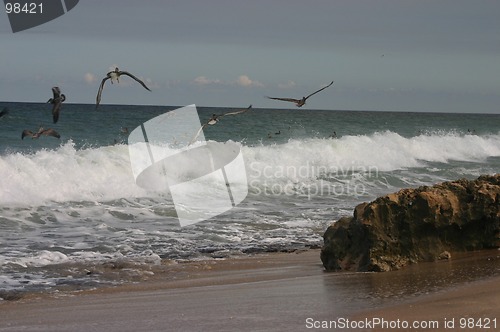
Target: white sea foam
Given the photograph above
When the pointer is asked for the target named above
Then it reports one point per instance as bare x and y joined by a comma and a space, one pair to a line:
104, 173
67, 174
350, 161
42, 258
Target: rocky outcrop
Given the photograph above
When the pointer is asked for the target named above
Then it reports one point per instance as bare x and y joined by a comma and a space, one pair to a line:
412, 225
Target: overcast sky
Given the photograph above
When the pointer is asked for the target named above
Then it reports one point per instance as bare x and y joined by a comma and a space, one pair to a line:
394, 55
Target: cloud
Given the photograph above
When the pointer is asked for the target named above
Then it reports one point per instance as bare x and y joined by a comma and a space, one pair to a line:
245, 81
90, 78
242, 80
150, 83
203, 80
287, 85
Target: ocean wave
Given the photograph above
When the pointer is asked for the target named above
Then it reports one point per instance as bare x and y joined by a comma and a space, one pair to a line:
104, 173
67, 174
316, 158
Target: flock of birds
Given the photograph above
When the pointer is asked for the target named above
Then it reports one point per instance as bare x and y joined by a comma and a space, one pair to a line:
58, 98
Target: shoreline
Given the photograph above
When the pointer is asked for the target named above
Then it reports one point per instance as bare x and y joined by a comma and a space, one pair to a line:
271, 292
171, 274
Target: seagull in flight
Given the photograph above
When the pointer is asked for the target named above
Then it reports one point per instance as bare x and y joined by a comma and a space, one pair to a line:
115, 75
216, 118
41, 131
56, 101
300, 102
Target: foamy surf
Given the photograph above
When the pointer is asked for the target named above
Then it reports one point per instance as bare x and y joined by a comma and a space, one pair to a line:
73, 210
104, 173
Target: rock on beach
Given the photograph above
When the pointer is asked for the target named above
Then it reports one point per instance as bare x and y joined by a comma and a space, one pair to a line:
413, 225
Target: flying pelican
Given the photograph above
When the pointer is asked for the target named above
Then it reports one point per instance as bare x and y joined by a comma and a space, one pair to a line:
115, 75
56, 101
300, 102
41, 131
216, 118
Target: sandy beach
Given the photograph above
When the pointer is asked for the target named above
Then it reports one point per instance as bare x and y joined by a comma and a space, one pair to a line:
269, 292
473, 307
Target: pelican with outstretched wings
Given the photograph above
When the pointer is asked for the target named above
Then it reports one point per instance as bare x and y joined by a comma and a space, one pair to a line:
41, 131
300, 102
216, 118
56, 101
115, 75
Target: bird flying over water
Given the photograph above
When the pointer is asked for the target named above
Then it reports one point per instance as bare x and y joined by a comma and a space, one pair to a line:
56, 101
215, 118
41, 131
115, 75
300, 102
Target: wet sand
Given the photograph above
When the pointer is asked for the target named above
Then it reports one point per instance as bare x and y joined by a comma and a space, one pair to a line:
454, 309
271, 292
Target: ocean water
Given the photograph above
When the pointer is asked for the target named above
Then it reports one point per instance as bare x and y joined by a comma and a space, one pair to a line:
70, 206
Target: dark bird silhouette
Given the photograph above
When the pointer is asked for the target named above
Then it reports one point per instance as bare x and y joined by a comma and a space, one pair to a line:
216, 118
278, 132
5, 111
300, 102
41, 131
56, 101
115, 75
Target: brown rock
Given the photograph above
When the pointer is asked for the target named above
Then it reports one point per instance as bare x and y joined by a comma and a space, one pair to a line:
444, 255
415, 225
